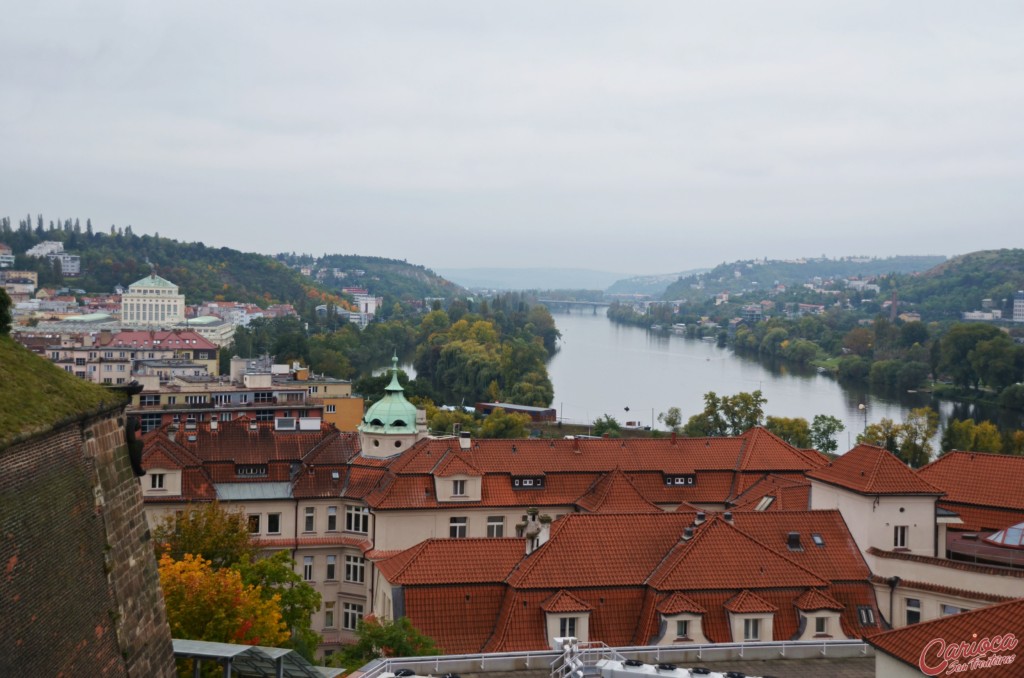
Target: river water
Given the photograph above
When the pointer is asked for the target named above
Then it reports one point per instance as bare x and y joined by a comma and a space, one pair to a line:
603, 368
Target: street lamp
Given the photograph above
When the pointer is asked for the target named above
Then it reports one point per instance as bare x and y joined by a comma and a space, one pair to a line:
864, 408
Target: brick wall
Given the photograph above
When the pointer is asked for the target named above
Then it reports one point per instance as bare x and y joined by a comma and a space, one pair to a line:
79, 591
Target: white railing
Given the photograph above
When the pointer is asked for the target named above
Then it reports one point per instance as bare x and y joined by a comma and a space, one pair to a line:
591, 653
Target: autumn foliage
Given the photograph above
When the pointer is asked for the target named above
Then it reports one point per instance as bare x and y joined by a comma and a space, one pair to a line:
212, 604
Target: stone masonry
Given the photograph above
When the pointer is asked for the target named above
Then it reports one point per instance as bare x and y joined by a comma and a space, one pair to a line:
79, 590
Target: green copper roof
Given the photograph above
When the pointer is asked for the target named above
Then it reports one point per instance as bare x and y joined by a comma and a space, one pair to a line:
392, 414
153, 281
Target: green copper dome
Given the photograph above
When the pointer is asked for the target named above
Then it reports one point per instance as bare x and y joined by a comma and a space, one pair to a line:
392, 414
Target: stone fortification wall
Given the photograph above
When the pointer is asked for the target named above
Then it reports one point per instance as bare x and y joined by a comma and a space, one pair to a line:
79, 590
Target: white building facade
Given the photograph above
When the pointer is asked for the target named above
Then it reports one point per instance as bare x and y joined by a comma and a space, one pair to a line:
152, 302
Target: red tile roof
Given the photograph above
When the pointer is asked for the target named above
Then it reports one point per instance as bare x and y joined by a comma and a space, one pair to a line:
978, 479
454, 464
926, 642
873, 470
563, 601
719, 556
813, 599
454, 561
615, 493
982, 519
160, 340
747, 602
677, 603
786, 493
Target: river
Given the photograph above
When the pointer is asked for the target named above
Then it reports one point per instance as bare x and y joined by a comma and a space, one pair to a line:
603, 368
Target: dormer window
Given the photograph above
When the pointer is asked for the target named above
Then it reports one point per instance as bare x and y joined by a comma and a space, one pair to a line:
458, 488
528, 483
680, 480
250, 470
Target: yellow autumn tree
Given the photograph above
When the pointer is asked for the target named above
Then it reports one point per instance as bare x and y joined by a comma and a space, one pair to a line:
205, 603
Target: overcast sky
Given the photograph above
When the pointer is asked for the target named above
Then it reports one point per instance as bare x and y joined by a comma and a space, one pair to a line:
635, 137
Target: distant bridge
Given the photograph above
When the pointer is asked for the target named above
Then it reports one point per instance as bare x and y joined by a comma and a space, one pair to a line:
568, 305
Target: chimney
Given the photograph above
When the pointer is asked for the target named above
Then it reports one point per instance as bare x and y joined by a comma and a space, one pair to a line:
688, 534
213, 424
538, 530
465, 440
728, 517
673, 437
793, 541
171, 432
699, 519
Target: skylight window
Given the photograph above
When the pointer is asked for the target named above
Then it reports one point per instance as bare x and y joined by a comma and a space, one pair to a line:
817, 539
764, 503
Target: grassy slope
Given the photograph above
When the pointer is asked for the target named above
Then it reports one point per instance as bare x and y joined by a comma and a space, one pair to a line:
35, 395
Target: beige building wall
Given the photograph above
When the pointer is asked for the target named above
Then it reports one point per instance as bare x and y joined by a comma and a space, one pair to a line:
402, 529
347, 414
873, 519
695, 632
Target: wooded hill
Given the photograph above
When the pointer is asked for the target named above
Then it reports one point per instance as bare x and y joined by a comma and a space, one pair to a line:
960, 284
742, 276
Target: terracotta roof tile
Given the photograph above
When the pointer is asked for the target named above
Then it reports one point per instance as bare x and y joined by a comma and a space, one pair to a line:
747, 602
986, 596
454, 561
627, 548
334, 540
873, 470
765, 451
459, 618
908, 644
787, 494
615, 493
677, 603
978, 479
837, 558
455, 464
813, 599
719, 556
948, 564
982, 519
563, 601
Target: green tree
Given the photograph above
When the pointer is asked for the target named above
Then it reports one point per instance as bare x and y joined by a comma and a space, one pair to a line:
502, 424
967, 435
956, 347
217, 533
727, 415
824, 429
672, 418
5, 312
794, 430
998, 362
383, 638
275, 577
919, 427
607, 426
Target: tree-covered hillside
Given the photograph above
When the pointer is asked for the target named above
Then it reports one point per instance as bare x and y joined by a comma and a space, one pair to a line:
389, 278
959, 285
763, 274
119, 257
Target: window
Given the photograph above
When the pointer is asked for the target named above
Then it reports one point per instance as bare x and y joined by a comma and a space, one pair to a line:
332, 565
899, 537
150, 421
751, 629
951, 609
683, 628
821, 626
913, 610
307, 568
566, 626
351, 614
156, 481
249, 470
866, 615
355, 569
329, 615
332, 518
357, 519
264, 415
263, 397
817, 539
458, 528
273, 523
149, 400
310, 519
254, 523
172, 400
195, 399
330, 409
495, 526
459, 488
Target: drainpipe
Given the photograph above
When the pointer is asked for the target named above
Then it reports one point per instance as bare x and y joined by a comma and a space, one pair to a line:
893, 582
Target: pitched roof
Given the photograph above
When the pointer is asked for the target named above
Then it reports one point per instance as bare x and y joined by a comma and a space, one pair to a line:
775, 492
719, 556
615, 493
813, 599
765, 451
747, 602
978, 478
454, 561
927, 641
677, 603
867, 469
455, 464
563, 601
